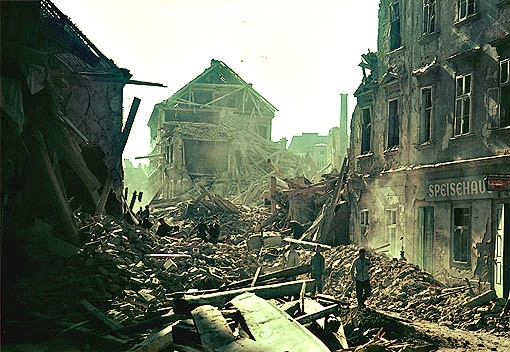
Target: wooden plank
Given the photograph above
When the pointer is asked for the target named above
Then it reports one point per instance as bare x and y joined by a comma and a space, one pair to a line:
255, 278
276, 328
287, 272
110, 323
39, 151
168, 255
189, 302
306, 243
212, 327
318, 314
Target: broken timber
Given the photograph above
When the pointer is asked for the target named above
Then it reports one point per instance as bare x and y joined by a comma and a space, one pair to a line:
288, 272
189, 302
274, 327
306, 243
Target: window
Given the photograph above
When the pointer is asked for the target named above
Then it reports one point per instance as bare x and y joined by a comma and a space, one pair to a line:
462, 105
366, 128
461, 235
391, 230
429, 16
395, 38
364, 222
424, 128
504, 83
393, 124
498, 99
465, 8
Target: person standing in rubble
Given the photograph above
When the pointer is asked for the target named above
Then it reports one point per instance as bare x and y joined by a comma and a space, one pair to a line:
359, 275
163, 229
318, 266
201, 228
144, 214
214, 230
292, 259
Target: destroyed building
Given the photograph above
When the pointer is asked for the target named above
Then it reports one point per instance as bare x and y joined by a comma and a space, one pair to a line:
62, 131
216, 126
429, 159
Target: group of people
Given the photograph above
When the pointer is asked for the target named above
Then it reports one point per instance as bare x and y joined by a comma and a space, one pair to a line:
209, 233
358, 272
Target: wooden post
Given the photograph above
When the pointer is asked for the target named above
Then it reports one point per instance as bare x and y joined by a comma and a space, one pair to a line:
255, 278
273, 192
40, 153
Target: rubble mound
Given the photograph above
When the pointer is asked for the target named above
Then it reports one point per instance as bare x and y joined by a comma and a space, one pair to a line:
403, 288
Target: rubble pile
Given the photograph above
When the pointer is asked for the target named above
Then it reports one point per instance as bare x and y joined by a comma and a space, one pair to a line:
403, 288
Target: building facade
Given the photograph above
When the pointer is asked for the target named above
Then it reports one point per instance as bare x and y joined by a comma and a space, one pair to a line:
202, 130
430, 139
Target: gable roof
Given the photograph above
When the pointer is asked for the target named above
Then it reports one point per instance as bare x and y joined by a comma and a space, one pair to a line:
218, 73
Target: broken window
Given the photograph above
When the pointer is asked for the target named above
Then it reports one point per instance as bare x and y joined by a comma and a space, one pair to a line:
465, 8
461, 238
426, 116
393, 124
366, 129
364, 222
429, 16
462, 105
391, 230
395, 38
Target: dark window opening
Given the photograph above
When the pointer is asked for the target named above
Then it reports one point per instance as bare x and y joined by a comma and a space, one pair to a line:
366, 128
461, 234
393, 124
395, 38
426, 118
429, 16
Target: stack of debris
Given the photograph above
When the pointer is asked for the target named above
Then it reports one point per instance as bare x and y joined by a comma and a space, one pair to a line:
401, 287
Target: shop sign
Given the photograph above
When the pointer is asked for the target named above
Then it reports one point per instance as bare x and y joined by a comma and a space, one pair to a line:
498, 182
470, 187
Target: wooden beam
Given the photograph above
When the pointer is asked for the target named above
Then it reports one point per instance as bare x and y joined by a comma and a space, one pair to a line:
306, 243
274, 327
287, 272
110, 323
255, 278
310, 317
218, 299
39, 151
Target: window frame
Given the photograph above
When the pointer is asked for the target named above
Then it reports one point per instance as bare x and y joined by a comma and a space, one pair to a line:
428, 19
504, 94
426, 116
467, 4
364, 222
460, 104
459, 263
395, 23
366, 131
390, 229
393, 135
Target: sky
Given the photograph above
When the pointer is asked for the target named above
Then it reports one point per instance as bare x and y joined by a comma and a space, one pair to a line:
299, 54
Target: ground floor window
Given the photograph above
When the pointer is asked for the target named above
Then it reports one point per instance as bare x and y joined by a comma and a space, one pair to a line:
461, 234
391, 230
364, 222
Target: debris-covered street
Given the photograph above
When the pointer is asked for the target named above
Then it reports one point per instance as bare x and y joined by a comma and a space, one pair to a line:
388, 233
125, 286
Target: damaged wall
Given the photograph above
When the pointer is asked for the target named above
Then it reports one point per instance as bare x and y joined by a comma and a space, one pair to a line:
433, 111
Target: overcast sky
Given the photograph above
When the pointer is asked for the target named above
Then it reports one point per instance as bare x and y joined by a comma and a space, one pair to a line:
299, 55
